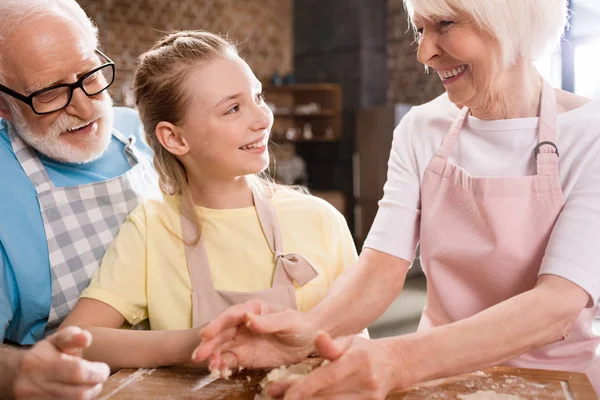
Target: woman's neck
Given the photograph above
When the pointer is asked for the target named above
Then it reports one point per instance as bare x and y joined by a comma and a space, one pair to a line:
515, 95
222, 194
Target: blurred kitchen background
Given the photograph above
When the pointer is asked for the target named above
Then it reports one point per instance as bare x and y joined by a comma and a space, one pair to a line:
339, 75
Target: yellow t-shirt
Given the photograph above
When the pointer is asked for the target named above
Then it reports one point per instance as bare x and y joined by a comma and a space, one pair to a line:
144, 273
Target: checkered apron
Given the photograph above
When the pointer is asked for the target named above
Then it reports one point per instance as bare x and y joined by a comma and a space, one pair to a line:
81, 221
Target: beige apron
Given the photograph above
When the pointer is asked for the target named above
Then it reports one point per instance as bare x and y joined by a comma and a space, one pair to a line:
207, 302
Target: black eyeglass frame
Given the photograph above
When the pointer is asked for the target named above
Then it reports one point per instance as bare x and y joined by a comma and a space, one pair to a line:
72, 86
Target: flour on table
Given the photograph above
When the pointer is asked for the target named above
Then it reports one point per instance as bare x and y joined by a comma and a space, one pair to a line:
290, 373
488, 395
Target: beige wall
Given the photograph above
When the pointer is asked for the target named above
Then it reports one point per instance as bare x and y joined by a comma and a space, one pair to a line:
408, 82
263, 29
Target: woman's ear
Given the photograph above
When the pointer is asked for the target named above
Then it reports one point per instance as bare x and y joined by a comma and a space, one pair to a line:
170, 138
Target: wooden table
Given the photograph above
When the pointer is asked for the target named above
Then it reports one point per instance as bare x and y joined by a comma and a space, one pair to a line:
193, 383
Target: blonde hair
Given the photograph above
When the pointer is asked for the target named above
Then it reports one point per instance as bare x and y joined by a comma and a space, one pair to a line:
159, 87
525, 29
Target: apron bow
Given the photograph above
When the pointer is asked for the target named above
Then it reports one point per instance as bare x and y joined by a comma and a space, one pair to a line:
296, 266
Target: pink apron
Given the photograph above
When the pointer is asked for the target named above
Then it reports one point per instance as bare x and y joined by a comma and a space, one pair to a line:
483, 240
207, 302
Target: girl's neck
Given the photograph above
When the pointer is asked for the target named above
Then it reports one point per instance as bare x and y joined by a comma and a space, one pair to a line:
221, 194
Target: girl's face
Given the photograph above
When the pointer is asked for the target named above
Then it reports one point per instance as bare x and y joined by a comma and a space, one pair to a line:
227, 123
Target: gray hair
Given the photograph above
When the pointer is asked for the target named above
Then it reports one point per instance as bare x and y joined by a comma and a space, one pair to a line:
14, 13
525, 29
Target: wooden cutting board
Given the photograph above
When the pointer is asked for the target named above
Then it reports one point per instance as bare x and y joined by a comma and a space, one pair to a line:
193, 383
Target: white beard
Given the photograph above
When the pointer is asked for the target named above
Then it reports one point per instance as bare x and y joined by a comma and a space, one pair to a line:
50, 144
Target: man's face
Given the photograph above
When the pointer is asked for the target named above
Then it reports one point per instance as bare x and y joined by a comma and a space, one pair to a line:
58, 51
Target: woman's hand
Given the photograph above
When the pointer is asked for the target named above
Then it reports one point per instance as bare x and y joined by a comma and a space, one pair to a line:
256, 334
359, 369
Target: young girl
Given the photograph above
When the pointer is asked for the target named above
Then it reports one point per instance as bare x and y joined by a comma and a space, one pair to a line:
222, 234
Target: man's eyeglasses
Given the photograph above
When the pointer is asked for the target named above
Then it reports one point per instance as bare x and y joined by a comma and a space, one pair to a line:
57, 97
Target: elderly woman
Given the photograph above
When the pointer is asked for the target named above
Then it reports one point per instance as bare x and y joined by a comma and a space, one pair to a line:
499, 181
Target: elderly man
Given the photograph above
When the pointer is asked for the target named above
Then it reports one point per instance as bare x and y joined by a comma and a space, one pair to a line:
72, 167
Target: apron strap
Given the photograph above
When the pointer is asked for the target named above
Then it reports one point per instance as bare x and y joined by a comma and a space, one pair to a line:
546, 152
30, 162
35, 171
197, 258
288, 267
449, 140
131, 151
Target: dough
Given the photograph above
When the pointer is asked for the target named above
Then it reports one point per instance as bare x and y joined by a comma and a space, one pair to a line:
290, 373
216, 373
488, 395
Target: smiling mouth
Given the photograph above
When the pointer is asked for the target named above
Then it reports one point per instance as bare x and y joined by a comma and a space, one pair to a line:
255, 145
453, 73
80, 128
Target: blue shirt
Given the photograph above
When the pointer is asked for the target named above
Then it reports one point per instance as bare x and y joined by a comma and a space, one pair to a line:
25, 283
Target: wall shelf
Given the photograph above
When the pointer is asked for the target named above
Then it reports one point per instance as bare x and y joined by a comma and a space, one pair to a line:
319, 139
292, 105
325, 97
322, 114
303, 87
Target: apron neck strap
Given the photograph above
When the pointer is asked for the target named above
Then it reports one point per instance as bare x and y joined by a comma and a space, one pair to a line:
288, 267
196, 256
130, 148
268, 220
29, 160
546, 151
35, 171
447, 145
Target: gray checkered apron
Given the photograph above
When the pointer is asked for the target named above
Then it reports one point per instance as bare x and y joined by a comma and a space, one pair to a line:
81, 221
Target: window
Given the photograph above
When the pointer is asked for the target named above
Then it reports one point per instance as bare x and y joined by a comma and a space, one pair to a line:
574, 67
587, 78
549, 66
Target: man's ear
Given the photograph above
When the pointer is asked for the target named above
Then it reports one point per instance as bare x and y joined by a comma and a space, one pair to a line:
4, 109
170, 138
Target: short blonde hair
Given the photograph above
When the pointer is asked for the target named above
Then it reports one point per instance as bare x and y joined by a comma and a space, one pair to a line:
525, 29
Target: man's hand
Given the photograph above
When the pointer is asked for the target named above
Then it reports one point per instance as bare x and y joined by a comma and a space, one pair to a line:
53, 369
256, 334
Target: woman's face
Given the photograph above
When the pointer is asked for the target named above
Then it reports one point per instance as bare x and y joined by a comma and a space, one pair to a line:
467, 59
227, 123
